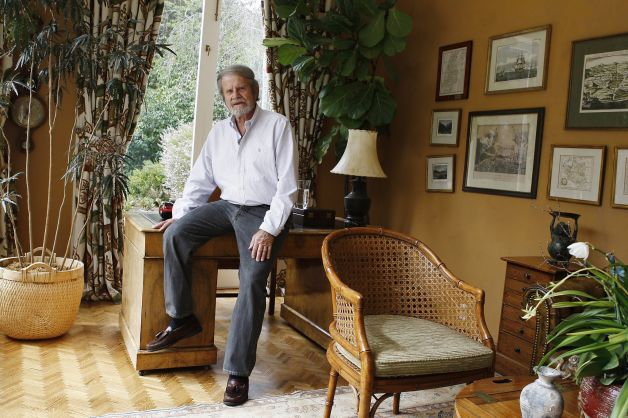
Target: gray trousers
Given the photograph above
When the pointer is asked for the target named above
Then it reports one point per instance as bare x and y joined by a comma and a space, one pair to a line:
191, 231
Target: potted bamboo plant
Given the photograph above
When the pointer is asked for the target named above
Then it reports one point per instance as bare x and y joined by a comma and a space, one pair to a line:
51, 43
597, 335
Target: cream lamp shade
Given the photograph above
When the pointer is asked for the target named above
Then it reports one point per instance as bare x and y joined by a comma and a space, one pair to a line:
360, 156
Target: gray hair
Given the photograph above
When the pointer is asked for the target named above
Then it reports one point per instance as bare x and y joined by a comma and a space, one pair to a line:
242, 71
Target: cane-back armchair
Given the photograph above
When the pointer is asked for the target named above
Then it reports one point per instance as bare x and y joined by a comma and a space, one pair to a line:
402, 320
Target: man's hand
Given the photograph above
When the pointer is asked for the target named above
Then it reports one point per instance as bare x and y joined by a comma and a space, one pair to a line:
261, 245
163, 225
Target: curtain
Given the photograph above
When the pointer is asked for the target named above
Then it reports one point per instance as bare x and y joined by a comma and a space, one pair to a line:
296, 100
110, 95
6, 63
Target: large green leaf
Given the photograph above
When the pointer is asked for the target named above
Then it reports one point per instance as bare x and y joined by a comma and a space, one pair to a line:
350, 123
349, 65
620, 409
341, 44
285, 8
363, 99
296, 29
372, 52
373, 32
335, 23
338, 101
398, 23
288, 53
304, 65
322, 145
382, 109
326, 57
362, 69
273, 42
393, 45
365, 7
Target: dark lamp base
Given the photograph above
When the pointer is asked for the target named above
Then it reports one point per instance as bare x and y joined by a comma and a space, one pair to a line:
357, 204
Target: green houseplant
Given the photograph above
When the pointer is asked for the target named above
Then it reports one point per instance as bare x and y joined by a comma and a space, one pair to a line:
347, 46
598, 333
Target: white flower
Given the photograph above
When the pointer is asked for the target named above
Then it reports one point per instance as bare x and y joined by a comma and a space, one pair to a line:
579, 250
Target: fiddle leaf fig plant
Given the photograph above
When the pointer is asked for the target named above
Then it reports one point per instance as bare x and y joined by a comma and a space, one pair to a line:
347, 45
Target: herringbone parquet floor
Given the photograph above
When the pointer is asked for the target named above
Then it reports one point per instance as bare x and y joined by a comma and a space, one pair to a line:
87, 372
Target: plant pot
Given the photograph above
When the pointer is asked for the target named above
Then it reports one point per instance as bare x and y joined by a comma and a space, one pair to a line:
39, 301
595, 399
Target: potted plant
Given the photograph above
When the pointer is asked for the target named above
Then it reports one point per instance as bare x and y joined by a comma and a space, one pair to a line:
597, 334
51, 42
346, 47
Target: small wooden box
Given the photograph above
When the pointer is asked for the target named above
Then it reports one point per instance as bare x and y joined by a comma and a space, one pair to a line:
313, 218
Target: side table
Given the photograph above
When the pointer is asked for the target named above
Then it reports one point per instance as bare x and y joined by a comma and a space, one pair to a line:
499, 397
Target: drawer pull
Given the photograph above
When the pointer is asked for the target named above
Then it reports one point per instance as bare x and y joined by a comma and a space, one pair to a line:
521, 331
517, 350
527, 276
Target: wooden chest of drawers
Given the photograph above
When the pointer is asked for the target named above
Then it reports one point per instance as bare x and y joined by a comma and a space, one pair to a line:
516, 340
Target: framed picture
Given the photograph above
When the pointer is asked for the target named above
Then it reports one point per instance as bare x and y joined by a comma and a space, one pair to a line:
518, 60
576, 173
619, 198
454, 69
445, 127
503, 151
440, 173
598, 84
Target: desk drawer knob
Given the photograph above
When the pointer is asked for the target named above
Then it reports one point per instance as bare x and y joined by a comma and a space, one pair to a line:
517, 350
521, 331
527, 276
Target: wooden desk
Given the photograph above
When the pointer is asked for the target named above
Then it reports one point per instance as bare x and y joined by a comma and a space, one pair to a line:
499, 397
143, 314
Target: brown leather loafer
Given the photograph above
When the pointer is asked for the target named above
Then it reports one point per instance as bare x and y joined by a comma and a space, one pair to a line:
169, 336
237, 391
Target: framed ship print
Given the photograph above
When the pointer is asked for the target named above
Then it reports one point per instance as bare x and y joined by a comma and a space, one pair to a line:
445, 127
440, 173
454, 70
503, 151
518, 60
576, 173
598, 83
619, 198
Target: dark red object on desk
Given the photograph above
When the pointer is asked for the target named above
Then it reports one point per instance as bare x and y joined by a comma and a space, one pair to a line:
165, 210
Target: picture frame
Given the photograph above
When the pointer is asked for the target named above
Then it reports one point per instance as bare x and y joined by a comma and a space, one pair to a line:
597, 97
440, 173
454, 71
503, 152
619, 197
576, 173
445, 128
518, 61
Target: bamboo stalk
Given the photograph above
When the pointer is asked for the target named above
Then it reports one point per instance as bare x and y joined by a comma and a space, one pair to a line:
28, 189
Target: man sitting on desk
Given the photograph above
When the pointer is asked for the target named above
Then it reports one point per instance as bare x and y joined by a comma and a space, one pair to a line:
252, 158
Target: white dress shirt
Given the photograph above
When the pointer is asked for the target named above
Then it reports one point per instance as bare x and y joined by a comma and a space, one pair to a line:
257, 168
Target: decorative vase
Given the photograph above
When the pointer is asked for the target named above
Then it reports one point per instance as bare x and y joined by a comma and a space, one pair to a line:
541, 399
595, 399
562, 235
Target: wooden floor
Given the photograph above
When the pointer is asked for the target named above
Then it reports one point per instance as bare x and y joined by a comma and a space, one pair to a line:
87, 372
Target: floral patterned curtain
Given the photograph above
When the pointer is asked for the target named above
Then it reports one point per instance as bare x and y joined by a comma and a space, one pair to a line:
292, 98
6, 63
110, 95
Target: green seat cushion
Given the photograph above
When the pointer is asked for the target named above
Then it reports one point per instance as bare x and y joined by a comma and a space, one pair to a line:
407, 346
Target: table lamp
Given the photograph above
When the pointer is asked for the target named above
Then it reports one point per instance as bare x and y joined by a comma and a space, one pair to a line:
359, 160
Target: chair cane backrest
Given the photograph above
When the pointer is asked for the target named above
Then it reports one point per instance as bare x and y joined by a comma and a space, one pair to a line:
399, 275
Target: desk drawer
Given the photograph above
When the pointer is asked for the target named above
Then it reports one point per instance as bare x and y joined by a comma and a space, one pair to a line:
526, 276
515, 348
511, 322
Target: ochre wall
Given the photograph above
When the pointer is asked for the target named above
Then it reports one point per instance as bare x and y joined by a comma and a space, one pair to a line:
471, 231
38, 176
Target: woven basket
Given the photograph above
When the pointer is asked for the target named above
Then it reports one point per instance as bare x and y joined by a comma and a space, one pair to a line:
39, 301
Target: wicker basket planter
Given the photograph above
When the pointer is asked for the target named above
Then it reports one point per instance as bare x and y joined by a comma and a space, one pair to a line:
39, 301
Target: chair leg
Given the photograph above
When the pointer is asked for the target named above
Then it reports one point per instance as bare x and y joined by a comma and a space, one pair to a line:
364, 407
395, 408
331, 392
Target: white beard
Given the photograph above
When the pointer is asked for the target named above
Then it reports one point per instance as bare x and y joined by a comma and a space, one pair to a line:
241, 110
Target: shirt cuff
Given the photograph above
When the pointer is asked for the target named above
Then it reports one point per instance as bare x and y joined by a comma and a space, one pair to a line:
272, 231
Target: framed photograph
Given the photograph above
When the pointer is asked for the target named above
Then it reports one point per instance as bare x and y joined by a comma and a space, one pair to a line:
503, 151
598, 84
454, 69
619, 198
518, 60
576, 173
440, 173
445, 127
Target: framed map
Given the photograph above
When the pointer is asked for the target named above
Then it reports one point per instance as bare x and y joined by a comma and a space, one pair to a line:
576, 173
619, 197
454, 70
